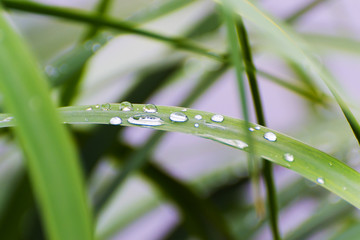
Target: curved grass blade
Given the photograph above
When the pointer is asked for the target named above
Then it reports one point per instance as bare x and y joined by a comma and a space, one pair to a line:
291, 46
52, 160
307, 161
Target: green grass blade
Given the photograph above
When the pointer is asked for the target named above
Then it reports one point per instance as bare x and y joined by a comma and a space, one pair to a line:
302, 11
52, 160
81, 16
291, 46
309, 162
267, 166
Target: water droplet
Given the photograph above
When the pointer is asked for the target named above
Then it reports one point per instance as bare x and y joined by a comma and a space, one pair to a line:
146, 120
330, 164
344, 188
198, 117
196, 125
8, 119
184, 110
217, 118
320, 180
150, 108
106, 107
289, 157
257, 128
95, 47
232, 142
126, 106
178, 117
97, 106
115, 121
51, 71
251, 129
270, 136
89, 109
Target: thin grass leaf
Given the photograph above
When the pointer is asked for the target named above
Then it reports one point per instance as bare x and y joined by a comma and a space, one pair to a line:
307, 161
302, 11
81, 16
291, 46
52, 160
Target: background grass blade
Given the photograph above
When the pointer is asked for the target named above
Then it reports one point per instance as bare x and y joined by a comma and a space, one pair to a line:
52, 161
309, 162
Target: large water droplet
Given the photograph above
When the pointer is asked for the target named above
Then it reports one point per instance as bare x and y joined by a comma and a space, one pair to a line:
320, 180
232, 142
270, 136
150, 108
146, 120
178, 117
217, 118
126, 106
115, 121
289, 157
198, 117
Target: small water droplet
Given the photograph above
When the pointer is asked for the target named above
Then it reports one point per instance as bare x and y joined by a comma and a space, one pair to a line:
115, 121
320, 180
184, 110
97, 106
196, 125
145, 120
257, 128
289, 157
198, 117
106, 107
95, 47
51, 71
251, 129
89, 109
178, 117
330, 164
126, 106
217, 118
270, 136
8, 119
150, 108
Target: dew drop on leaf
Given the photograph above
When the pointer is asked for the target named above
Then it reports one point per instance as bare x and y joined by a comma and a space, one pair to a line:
115, 121
106, 107
126, 106
198, 117
217, 118
289, 157
270, 136
196, 125
320, 180
257, 128
145, 120
251, 129
88, 109
178, 117
150, 108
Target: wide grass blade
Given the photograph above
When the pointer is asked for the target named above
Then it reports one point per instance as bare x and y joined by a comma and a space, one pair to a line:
52, 161
285, 151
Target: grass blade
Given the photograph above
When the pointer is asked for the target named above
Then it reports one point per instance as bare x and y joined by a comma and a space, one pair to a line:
52, 161
309, 162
